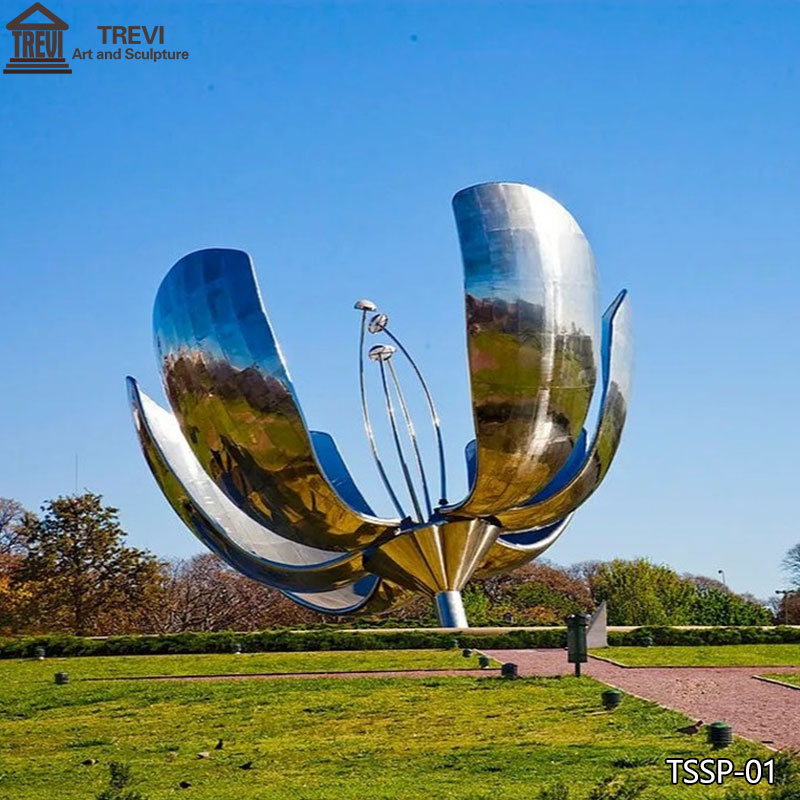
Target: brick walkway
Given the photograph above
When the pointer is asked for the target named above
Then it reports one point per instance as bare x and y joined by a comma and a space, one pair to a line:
763, 712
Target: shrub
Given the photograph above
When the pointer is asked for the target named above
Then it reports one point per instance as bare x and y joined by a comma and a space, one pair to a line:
699, 637
275, 641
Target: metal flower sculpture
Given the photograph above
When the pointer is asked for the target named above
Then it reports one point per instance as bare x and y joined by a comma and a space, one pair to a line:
275, 500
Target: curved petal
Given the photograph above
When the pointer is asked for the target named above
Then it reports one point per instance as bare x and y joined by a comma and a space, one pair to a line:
617, 369
228, 385
531, 317
240, 541
370, 595
560, 479
336, 472
512, 550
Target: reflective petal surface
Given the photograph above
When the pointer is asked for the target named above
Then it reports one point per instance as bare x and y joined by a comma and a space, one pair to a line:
220, 525
433, 558
617, 369
228, 386
512, 550
529, 278
369, 596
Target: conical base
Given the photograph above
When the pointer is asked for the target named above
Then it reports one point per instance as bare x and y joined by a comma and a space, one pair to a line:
434, 558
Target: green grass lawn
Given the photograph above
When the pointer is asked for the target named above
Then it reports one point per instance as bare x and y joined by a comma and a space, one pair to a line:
321, 738
732, 655
244, 663
792, 679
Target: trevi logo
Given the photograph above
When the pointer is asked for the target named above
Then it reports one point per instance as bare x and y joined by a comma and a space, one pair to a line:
38, 43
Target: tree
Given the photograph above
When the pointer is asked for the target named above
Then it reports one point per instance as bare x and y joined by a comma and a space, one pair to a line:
11, 515
714, 606
787, 608
641, 593
791, 563
78, 575
539, 593
11, 557
204, 594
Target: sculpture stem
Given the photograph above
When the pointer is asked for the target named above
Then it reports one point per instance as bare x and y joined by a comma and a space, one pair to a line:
450, 610
412, 435
393, 422
368, 424
434, 416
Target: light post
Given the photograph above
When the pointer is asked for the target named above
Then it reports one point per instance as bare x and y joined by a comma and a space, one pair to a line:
722, 573
785, 593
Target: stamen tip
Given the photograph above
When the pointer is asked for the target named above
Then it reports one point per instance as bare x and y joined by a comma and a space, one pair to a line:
378, 323
381, 352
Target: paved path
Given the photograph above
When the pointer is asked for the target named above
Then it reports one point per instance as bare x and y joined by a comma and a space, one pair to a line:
763, 712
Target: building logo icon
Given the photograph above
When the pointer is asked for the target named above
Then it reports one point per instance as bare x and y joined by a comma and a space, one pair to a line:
38, 46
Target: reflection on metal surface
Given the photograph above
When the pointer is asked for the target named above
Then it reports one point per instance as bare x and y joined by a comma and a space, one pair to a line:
450, 610
240, 467
219, 524
228, 386
529, 278
617, 369
512, 550
434, 558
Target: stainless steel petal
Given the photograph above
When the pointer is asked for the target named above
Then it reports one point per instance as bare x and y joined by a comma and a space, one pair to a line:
370, 595
512, 550
617, 369
240, 541
230, 390
529, 278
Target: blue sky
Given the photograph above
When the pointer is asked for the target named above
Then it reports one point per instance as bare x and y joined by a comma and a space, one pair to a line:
327, 141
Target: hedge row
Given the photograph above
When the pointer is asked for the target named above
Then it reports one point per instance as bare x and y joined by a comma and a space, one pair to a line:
271, 641
697, 637
287, 641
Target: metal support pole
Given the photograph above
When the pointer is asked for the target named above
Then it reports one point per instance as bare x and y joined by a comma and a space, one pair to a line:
393, 422
450, 610
434, 415
412, 435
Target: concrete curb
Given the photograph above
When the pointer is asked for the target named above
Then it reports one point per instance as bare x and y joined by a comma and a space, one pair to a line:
776, 682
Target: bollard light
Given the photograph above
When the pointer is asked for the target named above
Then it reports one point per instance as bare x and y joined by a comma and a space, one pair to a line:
509, 670
39, 653
720, 734
611, 699
484, 661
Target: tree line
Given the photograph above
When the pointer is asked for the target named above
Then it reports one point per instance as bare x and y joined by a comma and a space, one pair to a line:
69, 569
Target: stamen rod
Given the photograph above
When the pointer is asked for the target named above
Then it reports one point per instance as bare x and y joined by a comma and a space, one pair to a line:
398, 445
412, 435
368, 424
433, 413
